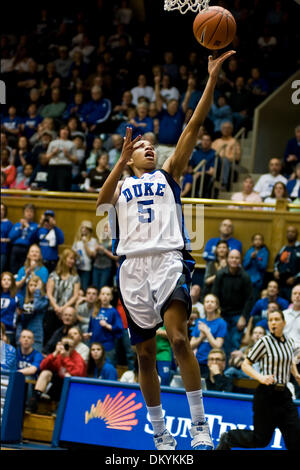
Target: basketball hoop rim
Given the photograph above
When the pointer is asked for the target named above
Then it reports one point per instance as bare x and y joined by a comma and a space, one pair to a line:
186, 5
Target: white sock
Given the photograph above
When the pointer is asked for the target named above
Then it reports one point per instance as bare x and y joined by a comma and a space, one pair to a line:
157, 419
196, 406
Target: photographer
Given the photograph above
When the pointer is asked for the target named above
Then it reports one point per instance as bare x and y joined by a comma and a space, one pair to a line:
49, 237
63, 362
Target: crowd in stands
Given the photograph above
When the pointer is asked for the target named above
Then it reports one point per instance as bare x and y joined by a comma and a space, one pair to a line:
61, 314
75, 89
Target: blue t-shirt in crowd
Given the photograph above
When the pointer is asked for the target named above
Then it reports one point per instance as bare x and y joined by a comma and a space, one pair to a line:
198, 155
260, 308
101, 334
40, 271
9, 311
218, 328
31, 125
6, 226
188, 178
108, 372
27, 360
210, 247
48, 241
256, 267
22, 236
170, 127
11, 124
8, 357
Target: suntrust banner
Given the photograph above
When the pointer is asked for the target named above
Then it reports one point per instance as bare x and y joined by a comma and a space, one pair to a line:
112, 414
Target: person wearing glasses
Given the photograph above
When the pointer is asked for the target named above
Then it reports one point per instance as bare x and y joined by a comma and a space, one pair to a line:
216, 380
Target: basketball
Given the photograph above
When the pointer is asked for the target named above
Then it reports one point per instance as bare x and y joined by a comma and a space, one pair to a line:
214, 27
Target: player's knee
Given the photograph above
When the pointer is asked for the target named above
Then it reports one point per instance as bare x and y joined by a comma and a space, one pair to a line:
146, 360
179, 344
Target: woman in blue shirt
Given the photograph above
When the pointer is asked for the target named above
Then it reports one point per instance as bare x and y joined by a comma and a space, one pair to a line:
208, 332
98, 367
255, 263
6, 226
33, 265
9, 304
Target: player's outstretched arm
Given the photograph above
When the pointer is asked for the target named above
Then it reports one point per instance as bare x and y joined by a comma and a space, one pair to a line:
177, 162
110, 190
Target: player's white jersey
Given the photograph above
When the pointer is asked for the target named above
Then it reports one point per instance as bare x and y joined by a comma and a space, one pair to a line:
149, 216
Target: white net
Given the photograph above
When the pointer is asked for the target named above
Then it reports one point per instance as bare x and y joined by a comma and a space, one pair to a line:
186, 5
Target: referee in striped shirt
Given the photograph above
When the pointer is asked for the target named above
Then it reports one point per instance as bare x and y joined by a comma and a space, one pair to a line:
273, 405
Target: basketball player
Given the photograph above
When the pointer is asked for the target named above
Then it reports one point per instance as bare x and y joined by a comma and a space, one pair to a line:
155, 268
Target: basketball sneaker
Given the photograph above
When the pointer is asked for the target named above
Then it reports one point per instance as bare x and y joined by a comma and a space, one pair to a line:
201, 438
165, 441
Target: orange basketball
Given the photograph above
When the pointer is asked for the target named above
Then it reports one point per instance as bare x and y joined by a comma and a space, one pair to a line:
214, 27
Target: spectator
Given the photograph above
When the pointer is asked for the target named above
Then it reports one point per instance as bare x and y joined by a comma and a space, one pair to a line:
204, 151
33, 265
240, 103
95, 152
33, 309
11, 124
21, 235
217, 380
237, 357
169, 65
255, 263
279, 193
247, 194
292, 153
287, 263
208, 333
56, 108
106, 324
292, 316
49, 237
163, 356
85, 246
142, 122
7, 168
46, 126
186, 184
6, 226
131, 376
22, 154
8, 353
74, 108
97, 176
192, 95
62, 290
142, 90
167, 90
258, 87
213, 266
23, 178
31, 121
104, 262
63, 362
266, 181
68, 320
39, 177
98, 367
63, 62
226, 230
293, 185
9, 305
96, 112
75, 334
41, 145
259, 310
61, 155
86, 305
115, 152
80, 148
233, 288
197, 306
28, 358
227, 148
220, 113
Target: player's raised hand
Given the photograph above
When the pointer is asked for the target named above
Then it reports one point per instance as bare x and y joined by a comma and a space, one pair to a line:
214, 65
129, 145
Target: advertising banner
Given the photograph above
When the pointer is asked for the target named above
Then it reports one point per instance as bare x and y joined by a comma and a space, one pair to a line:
113, 414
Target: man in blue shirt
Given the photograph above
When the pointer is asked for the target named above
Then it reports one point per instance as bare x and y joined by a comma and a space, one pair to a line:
259, 312
49, 237
96, 112
28, 359
203, 151
12, 123
226, 232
